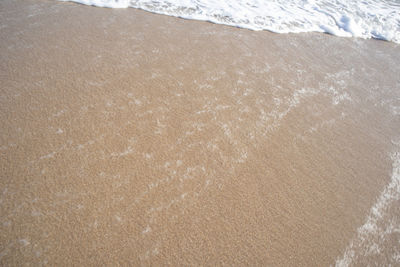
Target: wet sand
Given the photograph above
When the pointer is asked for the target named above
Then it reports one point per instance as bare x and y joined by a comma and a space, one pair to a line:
137, 139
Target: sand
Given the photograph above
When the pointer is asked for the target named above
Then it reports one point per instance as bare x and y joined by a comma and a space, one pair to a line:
129, 138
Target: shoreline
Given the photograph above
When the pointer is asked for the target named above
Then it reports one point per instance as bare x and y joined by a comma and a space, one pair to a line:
348, 20
135, 138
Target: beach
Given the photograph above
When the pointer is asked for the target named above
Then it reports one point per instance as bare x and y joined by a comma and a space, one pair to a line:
131, 138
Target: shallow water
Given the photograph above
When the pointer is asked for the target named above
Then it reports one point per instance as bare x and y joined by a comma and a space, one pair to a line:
133, 138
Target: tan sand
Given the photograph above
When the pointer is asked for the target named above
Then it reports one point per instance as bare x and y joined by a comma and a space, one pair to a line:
137, 139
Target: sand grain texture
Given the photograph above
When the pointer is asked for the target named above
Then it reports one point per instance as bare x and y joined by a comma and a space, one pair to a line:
133, 138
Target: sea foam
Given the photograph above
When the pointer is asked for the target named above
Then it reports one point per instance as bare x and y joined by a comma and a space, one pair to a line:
378, 227
378, 19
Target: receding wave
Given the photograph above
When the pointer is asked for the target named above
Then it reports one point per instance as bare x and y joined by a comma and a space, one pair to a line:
377, 19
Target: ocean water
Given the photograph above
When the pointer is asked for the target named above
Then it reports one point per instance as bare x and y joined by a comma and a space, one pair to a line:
379, 19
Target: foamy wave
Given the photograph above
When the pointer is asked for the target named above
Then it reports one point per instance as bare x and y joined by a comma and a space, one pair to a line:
103, 3
378, 19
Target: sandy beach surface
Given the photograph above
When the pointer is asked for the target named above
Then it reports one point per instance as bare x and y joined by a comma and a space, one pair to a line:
129, 138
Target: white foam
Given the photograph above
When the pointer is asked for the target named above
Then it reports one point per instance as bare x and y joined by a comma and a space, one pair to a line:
103, 3
378, 19
376, 228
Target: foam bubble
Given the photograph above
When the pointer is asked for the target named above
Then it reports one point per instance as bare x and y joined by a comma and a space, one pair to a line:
378, 19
